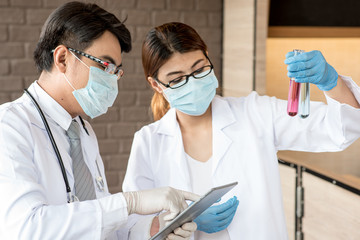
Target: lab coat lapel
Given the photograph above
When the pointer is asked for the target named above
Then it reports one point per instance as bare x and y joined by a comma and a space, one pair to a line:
36, 121
64, 156
170, 127
67, 165
222, 117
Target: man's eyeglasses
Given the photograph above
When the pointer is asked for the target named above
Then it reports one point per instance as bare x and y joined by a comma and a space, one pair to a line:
108, 66
182, 80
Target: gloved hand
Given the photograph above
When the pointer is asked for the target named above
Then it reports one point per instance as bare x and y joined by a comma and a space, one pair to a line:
158, 199
218, 217
182, 233
311, 67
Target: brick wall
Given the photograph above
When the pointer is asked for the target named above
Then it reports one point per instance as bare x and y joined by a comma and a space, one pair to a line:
20, 25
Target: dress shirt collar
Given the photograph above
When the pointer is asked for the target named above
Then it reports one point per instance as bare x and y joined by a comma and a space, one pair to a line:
50, 107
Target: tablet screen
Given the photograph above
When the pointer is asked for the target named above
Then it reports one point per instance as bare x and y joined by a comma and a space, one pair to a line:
194, 210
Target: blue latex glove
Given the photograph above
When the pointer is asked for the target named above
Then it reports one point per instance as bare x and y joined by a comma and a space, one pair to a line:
311, 67
218, 217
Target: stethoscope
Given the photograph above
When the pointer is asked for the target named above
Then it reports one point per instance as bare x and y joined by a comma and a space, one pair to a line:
99, 180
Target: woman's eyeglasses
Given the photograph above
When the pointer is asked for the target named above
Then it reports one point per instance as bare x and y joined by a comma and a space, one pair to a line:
182, 80
108, 66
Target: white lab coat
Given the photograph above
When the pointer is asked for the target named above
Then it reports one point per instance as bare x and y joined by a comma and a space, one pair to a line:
247, 133
33, 202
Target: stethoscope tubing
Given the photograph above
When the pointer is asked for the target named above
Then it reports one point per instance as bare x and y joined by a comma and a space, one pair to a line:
52, 140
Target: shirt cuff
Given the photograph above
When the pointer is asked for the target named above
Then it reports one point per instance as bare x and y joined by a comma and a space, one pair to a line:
141, 230
115, 213
346, 115
354, 88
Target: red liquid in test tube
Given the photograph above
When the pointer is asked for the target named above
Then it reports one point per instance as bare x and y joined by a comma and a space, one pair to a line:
294, 93
293, 98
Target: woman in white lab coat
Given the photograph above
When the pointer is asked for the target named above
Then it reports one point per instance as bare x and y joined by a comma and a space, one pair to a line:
201, 140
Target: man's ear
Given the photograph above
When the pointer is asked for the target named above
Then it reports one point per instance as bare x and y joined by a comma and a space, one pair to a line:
61, 58
154, 84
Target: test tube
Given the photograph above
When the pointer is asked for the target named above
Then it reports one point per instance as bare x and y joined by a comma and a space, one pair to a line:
305, 100
294, 92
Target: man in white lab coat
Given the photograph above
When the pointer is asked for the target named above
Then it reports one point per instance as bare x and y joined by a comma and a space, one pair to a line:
43, 172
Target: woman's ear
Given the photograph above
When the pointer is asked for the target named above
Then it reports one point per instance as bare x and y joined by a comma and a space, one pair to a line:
60, 57
154, 84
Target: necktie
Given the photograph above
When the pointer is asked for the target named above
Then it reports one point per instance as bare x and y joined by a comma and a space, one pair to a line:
84, 186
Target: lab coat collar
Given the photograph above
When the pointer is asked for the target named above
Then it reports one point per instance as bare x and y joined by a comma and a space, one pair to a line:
50, 107
222, 117
168, 123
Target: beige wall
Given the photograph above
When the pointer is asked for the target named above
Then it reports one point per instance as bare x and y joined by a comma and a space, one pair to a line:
244, 46
238, 47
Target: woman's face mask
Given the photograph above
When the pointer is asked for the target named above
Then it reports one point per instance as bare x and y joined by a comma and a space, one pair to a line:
100, 92
195, 96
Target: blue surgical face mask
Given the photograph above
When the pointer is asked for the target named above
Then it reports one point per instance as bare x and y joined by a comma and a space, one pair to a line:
195, 96
99, 93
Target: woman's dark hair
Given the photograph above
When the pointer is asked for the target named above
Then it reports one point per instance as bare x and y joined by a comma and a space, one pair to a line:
159, 45
77, 25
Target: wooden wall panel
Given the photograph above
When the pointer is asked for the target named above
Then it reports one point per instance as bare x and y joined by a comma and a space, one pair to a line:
239, 42
262, 15
238, 47
287, 175
331, 212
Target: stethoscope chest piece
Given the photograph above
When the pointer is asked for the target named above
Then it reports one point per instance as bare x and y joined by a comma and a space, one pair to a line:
72, 198
99, 180
100, 183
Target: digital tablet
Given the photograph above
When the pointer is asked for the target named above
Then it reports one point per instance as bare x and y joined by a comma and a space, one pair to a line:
194, 210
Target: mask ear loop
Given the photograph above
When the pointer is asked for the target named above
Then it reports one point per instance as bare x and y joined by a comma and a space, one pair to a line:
163, 91
81, 62
69, 81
